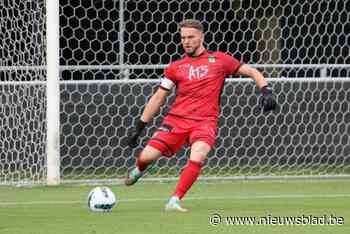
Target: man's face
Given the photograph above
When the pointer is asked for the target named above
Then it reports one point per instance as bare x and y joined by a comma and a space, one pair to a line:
191, 40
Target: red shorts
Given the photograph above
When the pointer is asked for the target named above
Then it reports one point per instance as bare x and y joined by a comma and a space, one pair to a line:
175, 131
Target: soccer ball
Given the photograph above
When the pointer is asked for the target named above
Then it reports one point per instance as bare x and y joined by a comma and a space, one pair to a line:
101, 199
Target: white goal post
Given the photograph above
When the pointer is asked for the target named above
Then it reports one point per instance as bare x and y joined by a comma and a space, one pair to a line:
53, 93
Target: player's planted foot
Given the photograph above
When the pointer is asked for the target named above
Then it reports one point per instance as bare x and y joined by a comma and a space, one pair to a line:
133, 176
174, 205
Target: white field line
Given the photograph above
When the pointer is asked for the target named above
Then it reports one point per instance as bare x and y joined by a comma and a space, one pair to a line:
293, 196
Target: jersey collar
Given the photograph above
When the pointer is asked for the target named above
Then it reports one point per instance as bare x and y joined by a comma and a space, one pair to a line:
205, 52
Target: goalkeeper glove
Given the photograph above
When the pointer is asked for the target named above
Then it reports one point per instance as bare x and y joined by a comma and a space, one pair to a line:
135, 132
267, 100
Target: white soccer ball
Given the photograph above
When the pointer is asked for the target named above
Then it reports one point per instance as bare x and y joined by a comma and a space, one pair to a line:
101, 199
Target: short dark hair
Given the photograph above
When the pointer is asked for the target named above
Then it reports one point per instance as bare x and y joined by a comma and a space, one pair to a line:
191, 23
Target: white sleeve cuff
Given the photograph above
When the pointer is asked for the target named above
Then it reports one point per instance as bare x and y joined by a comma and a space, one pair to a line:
167, 83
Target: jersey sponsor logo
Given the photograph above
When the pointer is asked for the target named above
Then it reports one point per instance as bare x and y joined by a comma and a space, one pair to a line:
197, 72
165, 128
211, 59
184, 68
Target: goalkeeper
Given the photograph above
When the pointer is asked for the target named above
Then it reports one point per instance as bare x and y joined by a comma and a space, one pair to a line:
198, 77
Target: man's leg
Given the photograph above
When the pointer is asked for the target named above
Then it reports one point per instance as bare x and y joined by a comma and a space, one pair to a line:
199, 152
147, 156
162, 143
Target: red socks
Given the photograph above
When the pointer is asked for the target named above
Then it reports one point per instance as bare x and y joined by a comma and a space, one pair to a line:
141, 165
188, 176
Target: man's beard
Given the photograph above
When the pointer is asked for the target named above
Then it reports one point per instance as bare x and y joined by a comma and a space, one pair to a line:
192, 53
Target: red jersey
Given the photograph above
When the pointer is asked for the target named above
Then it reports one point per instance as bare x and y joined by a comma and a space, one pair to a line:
198, 82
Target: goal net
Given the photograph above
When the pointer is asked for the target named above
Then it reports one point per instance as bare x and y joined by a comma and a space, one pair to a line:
22, 92
308, 136
112, 54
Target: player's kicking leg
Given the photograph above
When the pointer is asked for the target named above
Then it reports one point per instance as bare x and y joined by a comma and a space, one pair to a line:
199, 152
148, 155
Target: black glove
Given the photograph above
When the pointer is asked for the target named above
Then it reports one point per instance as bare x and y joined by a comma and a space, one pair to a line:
135, 132
267, 100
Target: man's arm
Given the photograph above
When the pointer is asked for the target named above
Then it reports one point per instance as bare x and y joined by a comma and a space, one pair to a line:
267, 100
152, 108
249, 71
154, 104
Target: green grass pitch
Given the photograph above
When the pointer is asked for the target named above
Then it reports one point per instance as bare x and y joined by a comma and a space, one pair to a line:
63, 209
